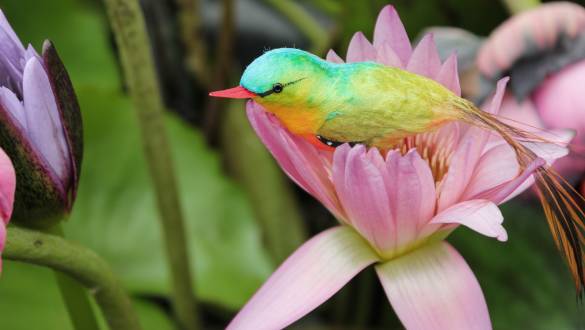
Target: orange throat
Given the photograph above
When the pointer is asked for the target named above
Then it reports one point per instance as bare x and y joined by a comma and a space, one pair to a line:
299, 121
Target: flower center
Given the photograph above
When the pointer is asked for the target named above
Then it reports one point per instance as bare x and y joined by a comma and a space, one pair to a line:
436, 148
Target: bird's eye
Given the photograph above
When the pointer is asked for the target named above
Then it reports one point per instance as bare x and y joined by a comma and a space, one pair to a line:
277, 88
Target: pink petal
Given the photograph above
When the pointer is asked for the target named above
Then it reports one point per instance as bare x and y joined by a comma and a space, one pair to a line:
411, 193
448, 75
496, 100
307, 161
461, 167
7, 187
433, 288
522, 115
481, 215
274, 141
301, 162
360, 49
362, 192
467, 155
425, 59
550, 151
333, 57
387, 56
496, 166
512, 188
310, 276
389, 30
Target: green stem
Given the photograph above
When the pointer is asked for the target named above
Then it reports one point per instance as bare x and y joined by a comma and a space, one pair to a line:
129, 30
79, 263
75, 297
517, 6
304, 22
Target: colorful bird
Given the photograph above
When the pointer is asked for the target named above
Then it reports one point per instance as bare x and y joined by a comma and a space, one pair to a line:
376, 105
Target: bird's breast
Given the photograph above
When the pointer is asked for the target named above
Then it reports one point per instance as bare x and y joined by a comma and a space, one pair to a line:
298, 120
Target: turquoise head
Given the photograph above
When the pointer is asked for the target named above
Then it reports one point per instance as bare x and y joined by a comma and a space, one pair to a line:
284, 81
281, 75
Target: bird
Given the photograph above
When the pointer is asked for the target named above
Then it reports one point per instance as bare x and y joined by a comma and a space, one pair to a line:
369, 103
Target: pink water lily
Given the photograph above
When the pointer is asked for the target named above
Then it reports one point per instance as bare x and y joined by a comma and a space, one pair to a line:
395, 209
7, 188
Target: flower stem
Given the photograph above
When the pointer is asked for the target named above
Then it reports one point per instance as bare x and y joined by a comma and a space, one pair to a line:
304, 22
517, 6
77, 303
75, 297
129, 30
80, 264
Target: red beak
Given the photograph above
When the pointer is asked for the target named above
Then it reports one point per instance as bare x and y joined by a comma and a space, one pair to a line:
234, 93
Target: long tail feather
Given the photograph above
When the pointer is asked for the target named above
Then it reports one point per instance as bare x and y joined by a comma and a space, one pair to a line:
563, 205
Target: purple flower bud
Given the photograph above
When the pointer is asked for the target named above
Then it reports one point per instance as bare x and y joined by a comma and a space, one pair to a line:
40, 129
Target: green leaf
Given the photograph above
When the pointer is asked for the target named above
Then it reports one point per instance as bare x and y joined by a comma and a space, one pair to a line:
31, 300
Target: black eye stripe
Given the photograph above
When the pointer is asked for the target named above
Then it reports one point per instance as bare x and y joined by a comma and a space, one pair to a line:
277, 88
268, 92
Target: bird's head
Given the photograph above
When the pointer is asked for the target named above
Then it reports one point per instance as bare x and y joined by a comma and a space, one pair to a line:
281, 80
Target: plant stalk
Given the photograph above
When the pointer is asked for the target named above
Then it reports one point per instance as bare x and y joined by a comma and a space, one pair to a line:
75, 297
134, 48
80, 264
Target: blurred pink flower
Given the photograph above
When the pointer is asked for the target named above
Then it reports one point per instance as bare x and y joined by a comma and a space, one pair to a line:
395, 210
549, 41
7, 188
